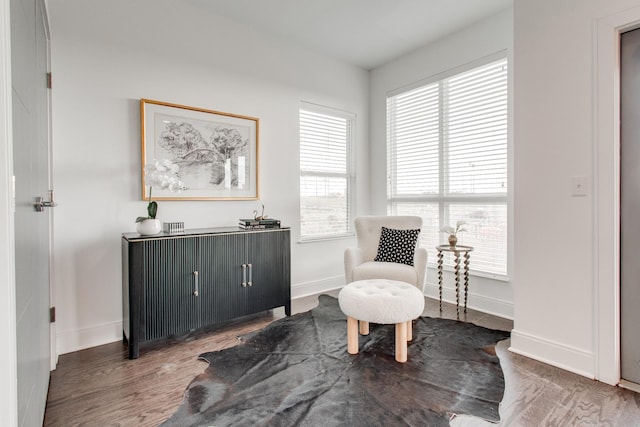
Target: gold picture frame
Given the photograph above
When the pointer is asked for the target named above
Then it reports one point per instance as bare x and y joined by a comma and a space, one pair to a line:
216, 152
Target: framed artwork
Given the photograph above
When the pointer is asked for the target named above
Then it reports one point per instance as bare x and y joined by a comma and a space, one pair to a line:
217, 153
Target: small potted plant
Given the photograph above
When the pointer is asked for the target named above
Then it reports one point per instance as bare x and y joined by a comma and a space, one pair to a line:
161, 174
453, 238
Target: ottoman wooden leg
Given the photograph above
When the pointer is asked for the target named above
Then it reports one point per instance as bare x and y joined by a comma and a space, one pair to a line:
401, 342
364, 328
409, 330
352, 335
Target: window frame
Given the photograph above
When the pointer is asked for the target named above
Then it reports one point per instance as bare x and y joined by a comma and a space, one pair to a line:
444, 198
349, 175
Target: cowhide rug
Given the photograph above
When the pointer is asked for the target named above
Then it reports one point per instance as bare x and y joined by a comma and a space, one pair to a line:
297, 372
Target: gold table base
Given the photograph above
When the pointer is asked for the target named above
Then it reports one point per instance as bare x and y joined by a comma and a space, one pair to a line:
466, 254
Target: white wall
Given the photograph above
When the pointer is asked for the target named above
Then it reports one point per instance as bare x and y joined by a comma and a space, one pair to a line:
108, 55
560, 292
487, 37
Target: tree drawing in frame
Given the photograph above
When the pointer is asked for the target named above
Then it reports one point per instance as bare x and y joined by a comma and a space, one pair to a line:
216, 152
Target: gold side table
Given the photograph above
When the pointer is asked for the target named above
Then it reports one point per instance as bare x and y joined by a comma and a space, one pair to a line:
466, 253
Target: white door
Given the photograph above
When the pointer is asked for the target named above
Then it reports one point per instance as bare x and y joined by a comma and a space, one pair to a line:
30, 110
630, 206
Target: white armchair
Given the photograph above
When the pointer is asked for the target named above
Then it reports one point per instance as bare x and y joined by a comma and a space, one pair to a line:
359, 262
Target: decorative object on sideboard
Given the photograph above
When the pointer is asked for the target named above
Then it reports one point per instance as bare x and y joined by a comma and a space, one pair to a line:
217, 152
173, 227
453, 232
258, 224
162, 174
261, 216
148, 226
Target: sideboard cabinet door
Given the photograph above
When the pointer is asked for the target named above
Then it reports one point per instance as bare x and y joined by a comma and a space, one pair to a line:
171, 305
220, 263
269, 270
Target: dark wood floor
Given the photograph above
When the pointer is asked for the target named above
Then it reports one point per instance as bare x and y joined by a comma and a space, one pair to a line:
101, 387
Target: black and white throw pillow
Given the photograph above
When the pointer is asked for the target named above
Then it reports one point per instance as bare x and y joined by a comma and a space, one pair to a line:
397, 245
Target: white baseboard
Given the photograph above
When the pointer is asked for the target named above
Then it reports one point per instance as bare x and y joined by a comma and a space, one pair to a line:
317, 287
485, 304
74, 340
630, 385
80, 339
553, 353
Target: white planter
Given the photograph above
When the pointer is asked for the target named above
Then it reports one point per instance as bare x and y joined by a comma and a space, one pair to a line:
149, 226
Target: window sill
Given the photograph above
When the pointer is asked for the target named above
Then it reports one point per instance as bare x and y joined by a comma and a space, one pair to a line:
474, 273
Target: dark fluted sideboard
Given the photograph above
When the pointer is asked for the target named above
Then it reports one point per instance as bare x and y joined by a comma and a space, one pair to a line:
174, 283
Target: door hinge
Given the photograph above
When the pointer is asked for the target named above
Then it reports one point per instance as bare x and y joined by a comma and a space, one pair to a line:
49, 81
52, 315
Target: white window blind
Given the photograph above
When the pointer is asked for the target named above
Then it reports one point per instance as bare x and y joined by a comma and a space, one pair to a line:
325, 172
447, 143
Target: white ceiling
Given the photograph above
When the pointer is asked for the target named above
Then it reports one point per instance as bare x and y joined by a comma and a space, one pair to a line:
366, 33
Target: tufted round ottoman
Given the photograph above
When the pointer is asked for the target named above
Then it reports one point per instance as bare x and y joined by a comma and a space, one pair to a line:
381, 301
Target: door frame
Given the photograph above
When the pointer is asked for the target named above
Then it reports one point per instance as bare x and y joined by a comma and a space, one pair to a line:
606, 155
8, 360
51, 212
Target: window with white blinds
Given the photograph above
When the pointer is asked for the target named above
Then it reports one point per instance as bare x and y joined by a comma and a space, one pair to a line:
447, 160
326, 179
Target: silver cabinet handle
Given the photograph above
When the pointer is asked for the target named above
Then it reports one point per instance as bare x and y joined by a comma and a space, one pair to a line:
195, 280
244, 275
250, 282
